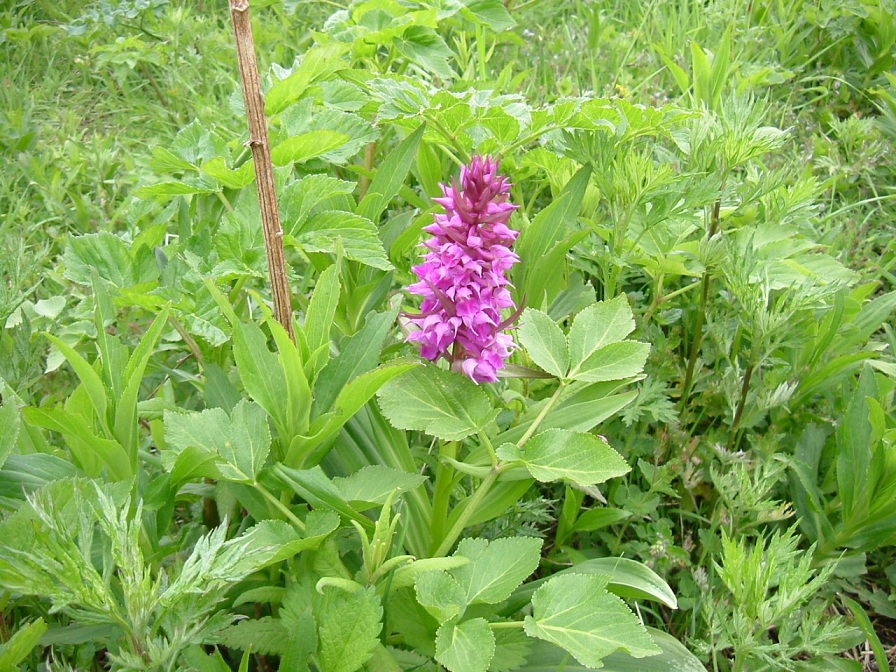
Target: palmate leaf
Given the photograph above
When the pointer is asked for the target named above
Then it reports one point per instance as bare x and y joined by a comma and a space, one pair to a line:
575, 612
558, 454
441, 403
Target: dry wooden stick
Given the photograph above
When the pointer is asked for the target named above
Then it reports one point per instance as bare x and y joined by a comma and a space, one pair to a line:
264, 169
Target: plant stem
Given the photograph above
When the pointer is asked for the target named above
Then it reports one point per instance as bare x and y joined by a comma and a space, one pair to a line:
293, 518
541, 416
264, 169
441, 496
738, 414
467, 513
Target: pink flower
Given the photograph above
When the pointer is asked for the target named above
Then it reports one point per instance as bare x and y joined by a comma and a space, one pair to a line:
463, 278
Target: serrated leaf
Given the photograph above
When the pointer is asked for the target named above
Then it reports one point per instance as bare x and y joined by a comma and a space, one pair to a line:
426, 48
349, 628
230, 178
576, 613
615, 361
359, 238
496, 568
307, 146
490, 13
512, 649
558, 454
300, 198
598, 325
441, 595
108, 256
465, 647
273, 541
441, 403
317, 63
544, 342
266, 636
373, 484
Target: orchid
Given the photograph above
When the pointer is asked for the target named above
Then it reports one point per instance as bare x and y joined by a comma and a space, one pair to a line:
463, 277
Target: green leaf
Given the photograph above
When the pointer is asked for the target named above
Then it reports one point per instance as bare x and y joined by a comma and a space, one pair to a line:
490, 13
673, 657
90, 379
558, 454
321, 310
272, 541
314, 487
318, 63
10, 423
108, 256
349, 628
359, 354
307, 146
496, 568
373, 484
23, 474
390, 176
613, 362
854, 441
627, 578
359, 238
20, 645
598, 325
576, 613
232, 179
300, 199
441, 403
441, 595
465, 647
266, 636
426, 48
261, 373
242, 441
544, 342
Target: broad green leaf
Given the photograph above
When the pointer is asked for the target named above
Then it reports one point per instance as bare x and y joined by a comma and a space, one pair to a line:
360, 354
318, 63
406, 575
575, 612
266, 636
165, 162
496, 568
272, 541
465, 647
349, 628
426, 48
10, 423
314, 487
492, 14
441, 595
854, 440
613, 362
358, 237
108, 256
230, 178
307, 146
90, 451
300, 199
261, 372
191, 464
186, 187
627, 578
242, 441
558, 454
673, 657
390, 176
545, 230
373, 484
23, 474
14, 651
321, 309
603, 323
544, 342
441, 403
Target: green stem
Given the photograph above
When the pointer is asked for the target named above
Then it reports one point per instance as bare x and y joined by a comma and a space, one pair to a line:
541, 416
506, 625
487, 442
464, 518
738, 414
441, 496
280, 506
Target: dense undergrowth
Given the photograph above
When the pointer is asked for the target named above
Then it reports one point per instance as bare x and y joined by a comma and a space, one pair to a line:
697, 423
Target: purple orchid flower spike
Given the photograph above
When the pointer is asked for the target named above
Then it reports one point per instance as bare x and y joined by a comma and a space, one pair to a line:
463, 278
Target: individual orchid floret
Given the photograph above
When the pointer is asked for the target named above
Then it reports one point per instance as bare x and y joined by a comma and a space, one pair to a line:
463, 278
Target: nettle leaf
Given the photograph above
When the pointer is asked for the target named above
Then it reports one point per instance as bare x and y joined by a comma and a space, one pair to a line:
307, 146
299, 199
441, 403
558, 454
358, 235
441, 595
425, 47
349, 628
544, 341
267, 636
465, 647
242, 441
576, 613
373, 484
496, 568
